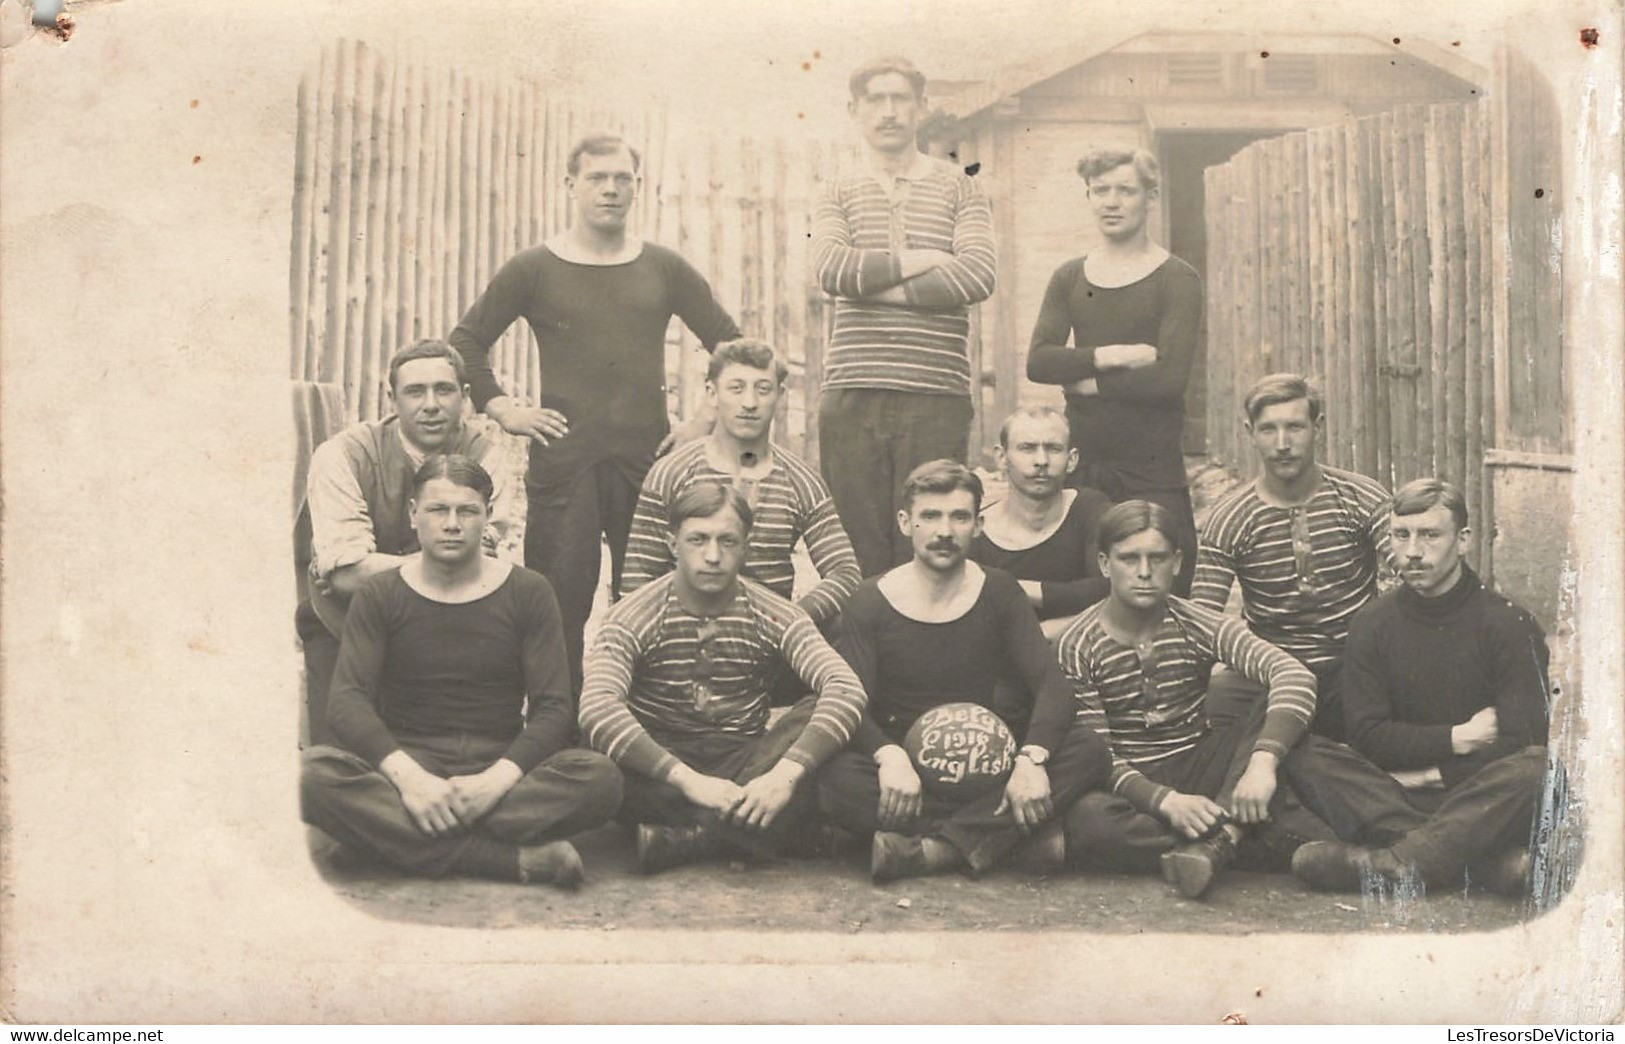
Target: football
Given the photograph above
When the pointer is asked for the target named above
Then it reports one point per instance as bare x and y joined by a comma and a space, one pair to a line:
960, 750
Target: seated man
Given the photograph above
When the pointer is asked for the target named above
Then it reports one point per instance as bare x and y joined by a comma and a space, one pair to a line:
788, 500
677, 693
1043, 533
1307, 541
359, 484
451, 703
1444, 685
938, 630
1181, 791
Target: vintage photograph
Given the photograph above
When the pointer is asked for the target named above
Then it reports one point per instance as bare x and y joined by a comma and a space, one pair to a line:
837, 502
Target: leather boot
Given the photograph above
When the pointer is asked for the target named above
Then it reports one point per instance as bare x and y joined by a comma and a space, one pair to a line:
1192, 868
663, 847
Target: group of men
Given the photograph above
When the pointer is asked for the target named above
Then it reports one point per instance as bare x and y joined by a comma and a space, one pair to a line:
460, 724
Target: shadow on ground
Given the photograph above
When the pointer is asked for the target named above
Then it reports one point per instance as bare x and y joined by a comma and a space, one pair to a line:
835, 895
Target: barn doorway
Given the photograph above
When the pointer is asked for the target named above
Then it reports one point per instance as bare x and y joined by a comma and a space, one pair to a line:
1184, 155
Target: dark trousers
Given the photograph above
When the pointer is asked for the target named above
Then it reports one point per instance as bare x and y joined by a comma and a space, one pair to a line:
562, 529
869, 439
849, 793
1105, 830
726, 756
1230, 694
1441, 832
358, 806
321, 657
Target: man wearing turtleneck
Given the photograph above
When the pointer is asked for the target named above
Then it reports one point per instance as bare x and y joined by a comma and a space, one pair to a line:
1444, 686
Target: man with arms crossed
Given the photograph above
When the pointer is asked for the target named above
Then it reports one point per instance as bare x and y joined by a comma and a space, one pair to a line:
1181, 791
1444, 685
906, 247
1042, 532
451, 706
359, 484
1133, 314
938, 630
677, 693
788, 500
599, 301
1307, 541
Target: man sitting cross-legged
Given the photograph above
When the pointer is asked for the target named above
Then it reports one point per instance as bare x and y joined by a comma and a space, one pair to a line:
677, 693
451, 701
1181, 791
940, 630
1043, 533
788, 500
1444, 685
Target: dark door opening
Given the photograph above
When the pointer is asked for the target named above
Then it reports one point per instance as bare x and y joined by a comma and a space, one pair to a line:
1184, 155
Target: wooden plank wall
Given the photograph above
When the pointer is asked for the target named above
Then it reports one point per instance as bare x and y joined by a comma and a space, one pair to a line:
413, 184
1361, 255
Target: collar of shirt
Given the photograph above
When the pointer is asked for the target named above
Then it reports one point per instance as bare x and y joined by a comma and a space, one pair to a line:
413, 454
892, 183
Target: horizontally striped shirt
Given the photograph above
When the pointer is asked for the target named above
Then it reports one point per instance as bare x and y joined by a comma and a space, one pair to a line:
790, 503
1298, 594
1152, 708
649, 679
858, 230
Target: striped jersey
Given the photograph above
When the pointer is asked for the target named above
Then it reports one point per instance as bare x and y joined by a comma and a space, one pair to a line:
790, 503
657, 671
1305, 570
1149, 704
858, 230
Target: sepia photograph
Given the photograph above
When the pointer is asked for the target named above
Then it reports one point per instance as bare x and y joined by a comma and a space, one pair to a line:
728, 513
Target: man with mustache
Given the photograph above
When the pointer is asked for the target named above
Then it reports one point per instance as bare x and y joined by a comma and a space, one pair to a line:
1444, 686
788, 500
1308, 542
906, 247
1043, 532
938, 630
598, 300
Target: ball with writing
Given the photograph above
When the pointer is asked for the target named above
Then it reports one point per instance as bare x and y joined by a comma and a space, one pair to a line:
960, 750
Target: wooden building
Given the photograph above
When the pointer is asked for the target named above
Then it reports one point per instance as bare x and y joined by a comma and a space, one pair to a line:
1194, 100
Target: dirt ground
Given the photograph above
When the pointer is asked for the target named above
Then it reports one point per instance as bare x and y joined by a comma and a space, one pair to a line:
836, 895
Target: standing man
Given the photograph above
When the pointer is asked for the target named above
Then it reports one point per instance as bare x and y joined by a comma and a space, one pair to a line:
451, 710
1444, 685
677, 693
357, 492
906, 247
1181, 791
599, 301
788, 501
1133, 314
1042, 532
937, 630
1308, 542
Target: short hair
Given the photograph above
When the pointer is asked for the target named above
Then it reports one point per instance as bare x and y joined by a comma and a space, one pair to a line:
1276, 388
1132, 517
1033, 413
941, 476
1099, 161
705, 499
746, 351
600, 144
858, 83
1423, 494
428, 348
455, 468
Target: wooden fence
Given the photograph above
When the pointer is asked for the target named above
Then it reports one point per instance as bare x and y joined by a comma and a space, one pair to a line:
413, 184
1372, 256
